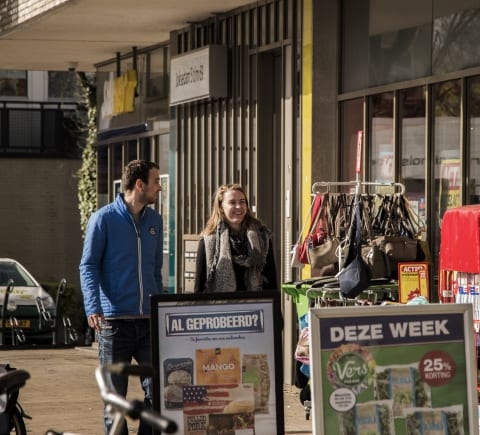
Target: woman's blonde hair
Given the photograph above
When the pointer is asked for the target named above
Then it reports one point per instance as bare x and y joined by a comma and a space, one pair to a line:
217, 216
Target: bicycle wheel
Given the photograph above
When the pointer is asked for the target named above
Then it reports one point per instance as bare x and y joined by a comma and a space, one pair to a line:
17, 425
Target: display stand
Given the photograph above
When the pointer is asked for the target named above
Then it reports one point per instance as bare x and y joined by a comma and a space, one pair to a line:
459, 261
459, 258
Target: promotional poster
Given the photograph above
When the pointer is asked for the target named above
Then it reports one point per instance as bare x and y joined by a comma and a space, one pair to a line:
397, 370
218, 363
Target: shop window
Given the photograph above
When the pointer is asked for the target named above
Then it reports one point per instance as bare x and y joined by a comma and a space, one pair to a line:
456, 32
385, 41
132, 152
473, 189
446, 98
62, 84
117, 160
388, 41
147, 148
412, 143
351, 119
13, 83
382, 150
157, 73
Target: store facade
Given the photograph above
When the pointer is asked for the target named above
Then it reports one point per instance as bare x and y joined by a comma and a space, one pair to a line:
248, 135
245, 134
301, 79
409, 78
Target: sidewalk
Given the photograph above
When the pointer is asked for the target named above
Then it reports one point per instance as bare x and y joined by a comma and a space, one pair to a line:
62, 393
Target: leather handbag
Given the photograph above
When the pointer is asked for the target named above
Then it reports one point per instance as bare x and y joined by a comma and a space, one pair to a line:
399, 248
376, 260
324, 254
322, 249
314, 211
355, 276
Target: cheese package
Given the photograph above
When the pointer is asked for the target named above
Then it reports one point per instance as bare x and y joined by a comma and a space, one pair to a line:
374, 417
402, 384
434, 421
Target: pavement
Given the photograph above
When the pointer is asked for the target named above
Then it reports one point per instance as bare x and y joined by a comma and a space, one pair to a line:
62, 393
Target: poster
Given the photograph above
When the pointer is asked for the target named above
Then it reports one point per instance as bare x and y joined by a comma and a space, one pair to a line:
396, 370
450, 184
218, 362
412, 281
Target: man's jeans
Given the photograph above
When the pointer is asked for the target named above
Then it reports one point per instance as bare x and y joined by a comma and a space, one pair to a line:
120, 341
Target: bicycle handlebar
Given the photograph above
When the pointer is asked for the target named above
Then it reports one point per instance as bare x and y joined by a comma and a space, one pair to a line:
134, 409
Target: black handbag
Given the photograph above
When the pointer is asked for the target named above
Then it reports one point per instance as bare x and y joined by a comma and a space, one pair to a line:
355, 276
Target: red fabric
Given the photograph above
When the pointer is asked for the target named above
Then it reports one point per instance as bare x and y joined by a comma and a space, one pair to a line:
460, 239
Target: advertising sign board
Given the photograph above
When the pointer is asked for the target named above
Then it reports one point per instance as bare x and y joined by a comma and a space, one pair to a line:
393, 370
218, 362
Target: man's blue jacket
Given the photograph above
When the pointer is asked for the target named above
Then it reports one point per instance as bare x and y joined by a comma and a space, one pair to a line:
121, 263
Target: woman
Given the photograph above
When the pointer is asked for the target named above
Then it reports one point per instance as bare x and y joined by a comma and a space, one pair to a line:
235, 251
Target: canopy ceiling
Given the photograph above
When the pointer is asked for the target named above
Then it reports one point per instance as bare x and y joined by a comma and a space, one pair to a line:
83, 33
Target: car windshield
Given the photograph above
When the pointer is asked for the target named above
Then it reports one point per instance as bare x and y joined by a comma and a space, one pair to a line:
15, 272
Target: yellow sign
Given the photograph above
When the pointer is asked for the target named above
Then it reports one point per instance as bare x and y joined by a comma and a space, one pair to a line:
412, 281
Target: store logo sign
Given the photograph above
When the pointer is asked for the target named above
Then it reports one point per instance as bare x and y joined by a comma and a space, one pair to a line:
198, 74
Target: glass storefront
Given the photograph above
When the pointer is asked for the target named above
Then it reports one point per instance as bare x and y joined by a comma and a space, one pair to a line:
389, 41
422, 124
381, 150
473, 137
412, 145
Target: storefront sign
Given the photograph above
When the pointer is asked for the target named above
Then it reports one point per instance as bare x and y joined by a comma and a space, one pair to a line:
218, 360
393, 370
199, 74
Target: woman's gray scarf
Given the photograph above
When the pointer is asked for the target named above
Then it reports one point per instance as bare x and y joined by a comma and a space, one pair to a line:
220, 272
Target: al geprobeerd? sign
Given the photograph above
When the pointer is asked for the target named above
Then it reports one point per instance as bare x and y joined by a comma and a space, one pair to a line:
392, 369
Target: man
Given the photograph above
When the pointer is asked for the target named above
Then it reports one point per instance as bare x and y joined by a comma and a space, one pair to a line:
120, 268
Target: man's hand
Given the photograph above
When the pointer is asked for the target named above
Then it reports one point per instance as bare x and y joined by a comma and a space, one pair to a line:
95, 321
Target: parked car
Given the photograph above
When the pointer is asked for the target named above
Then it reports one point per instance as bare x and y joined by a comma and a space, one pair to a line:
29, 306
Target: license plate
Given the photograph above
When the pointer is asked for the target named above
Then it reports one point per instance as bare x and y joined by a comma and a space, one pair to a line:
21, 323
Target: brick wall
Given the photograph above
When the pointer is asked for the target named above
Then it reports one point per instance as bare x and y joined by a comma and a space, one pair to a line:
39, 218
14, 12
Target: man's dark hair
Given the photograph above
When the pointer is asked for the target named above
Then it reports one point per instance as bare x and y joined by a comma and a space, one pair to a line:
136, 169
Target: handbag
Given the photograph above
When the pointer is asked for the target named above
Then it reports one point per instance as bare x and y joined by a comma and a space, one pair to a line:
399, 242
377, 261
314, 210
355, 276
399, 248
295, 261
322, 251
323, 254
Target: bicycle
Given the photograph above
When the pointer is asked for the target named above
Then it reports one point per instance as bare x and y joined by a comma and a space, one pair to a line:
119, 407
12, 414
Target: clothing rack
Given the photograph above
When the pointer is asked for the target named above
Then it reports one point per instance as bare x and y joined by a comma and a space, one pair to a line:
319, 186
